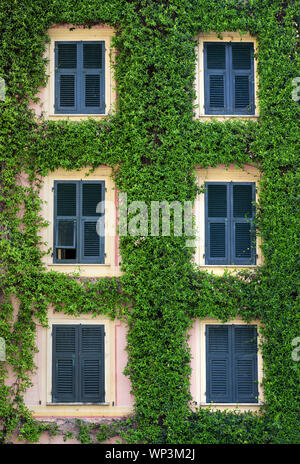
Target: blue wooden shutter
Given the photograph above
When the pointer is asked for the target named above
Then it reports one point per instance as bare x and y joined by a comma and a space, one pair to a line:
65, 220
218, 364
92, 363
245, 364
64, 350
66, 77
242, 227
216, 212
215, 78
242, 78
93, 100
80, 77
92, 244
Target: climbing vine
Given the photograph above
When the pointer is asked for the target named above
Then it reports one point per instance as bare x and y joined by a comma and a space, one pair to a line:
153, 144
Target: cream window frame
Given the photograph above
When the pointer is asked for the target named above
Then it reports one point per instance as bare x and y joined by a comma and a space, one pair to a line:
101, 173
221, 174
199, 84
64, 34
200, 400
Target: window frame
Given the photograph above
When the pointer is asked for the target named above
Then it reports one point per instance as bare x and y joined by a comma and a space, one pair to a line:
229, 79
230, 258
226, 36
198, 364
70, 33
79, 221
79, 73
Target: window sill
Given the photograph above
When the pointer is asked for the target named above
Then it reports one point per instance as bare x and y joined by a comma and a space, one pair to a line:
76, 115
230, 404
226, 117
232, 266
77, 404
79, 264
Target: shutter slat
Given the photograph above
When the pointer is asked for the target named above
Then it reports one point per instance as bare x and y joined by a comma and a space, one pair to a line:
66, 199
243, 240
241, 56
218, 339
91, 339
64, 377
92, 90
91, 197
67, 90
92, 56
217, 201
67, 56
65, 339
219, 374
91, 243
242, 201
216, 91
91, 378
217, 240
215, 56
241, 92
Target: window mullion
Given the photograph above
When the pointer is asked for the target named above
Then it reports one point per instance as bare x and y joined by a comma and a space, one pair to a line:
232, 367
79, 216
229, 223
79, 77
77, 365
229, 83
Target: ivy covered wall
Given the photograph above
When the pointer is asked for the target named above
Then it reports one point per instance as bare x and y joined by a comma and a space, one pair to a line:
155, 143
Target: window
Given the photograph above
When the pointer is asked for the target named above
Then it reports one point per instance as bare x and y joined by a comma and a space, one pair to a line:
78, 364
79, 222
229, 78
231, 364
80, 77
229, 223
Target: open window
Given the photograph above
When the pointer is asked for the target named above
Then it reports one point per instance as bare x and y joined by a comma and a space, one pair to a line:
79, 222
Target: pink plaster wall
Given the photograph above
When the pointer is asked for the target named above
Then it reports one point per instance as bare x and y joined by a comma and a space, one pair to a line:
123, 387
194, 361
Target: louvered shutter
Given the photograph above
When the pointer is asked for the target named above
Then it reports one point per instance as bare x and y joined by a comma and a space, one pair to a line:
93, 78
92, 222
245, 364
80, 77
66, 200
215, 78
64, 363
66, 77
242, 81
217, 208
92, 363
243, 232
218, 364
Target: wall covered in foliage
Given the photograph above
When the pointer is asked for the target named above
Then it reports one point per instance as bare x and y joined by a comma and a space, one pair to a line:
155, 143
